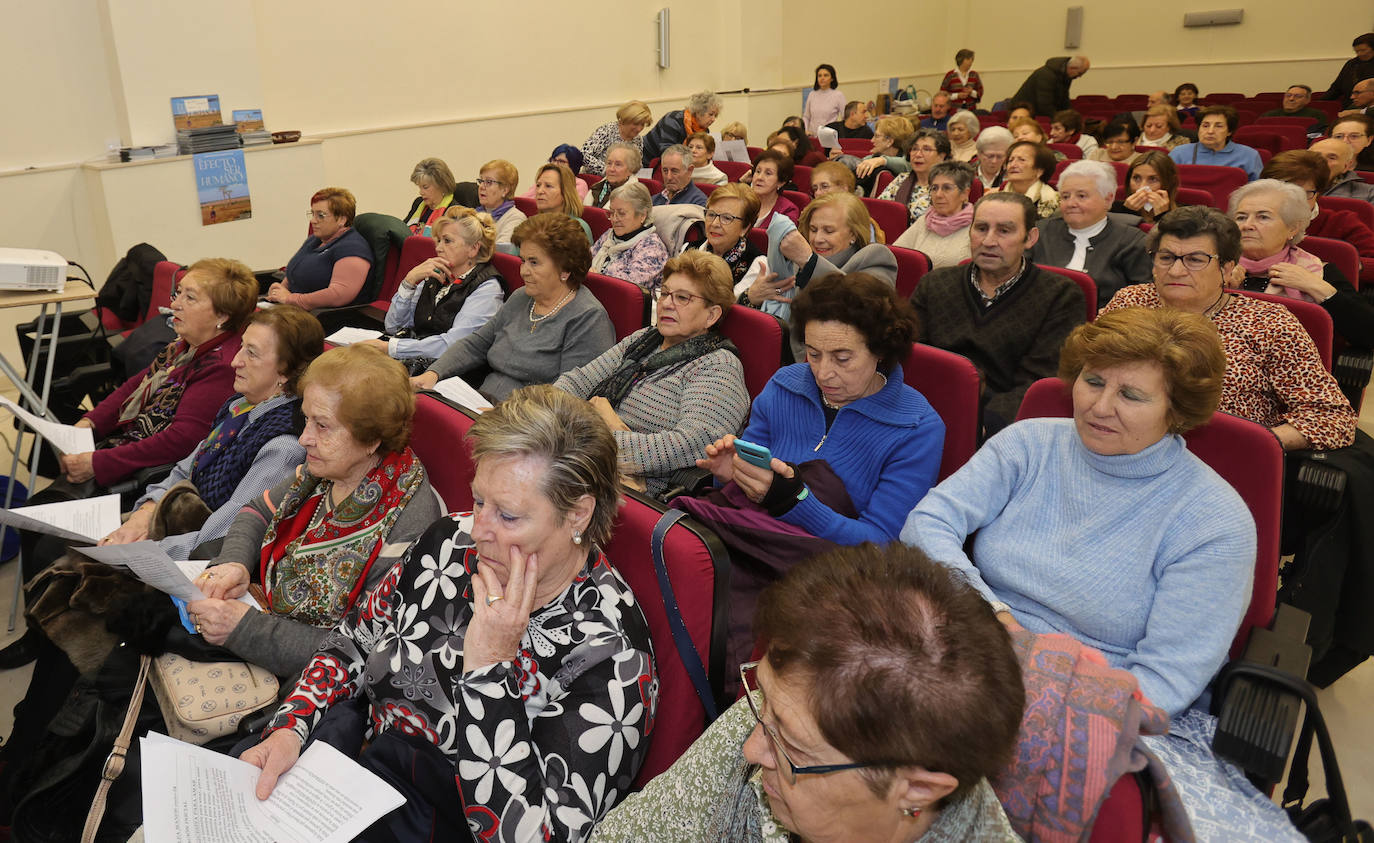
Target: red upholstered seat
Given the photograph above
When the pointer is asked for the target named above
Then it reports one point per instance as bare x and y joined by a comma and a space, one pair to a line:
912, 265
953, 386
655, 186
1358, 207
438, 440
1072, 151
1218, 181
596, 220
509, 267
589, 178
890, 216
526, 206
1084, 282
762, 342
859, 147
801, 177
626, 302
733, 170
414, 251
1338, 252
1314, 318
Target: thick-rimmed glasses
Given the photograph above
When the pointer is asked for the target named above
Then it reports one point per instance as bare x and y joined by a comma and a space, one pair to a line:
485, 182
681, 298
748, 676
1193, 261
725, 219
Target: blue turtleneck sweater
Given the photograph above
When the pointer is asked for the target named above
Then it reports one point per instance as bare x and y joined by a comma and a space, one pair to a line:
1146, 557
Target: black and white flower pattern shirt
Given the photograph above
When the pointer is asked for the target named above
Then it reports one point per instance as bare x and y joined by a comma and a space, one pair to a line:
543, 746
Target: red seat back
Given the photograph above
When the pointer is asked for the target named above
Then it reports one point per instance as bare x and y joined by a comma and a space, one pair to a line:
1246, 455
438, 439
754, 152
890, 216
759, 238
1344, 256
625, 301
509, 267
880, 183
1367, 177
1072, 151
762, 342
1314, 318
165, 277
416, 249
1084, 282
391, 278
589, 178
596, 220
526, 205
1301, 122
801, 177
698, 568
1193, 196
801, 200
912, 264
655, 186
856, 146
1218, 181
733, 169
1260, 137
1223, 99
1358, 207
953, 386
707, 188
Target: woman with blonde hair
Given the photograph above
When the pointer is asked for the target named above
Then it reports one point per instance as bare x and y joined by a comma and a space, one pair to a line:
631, 119
1160, 128
555, 192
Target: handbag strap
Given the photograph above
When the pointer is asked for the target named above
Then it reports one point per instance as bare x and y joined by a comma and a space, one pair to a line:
114, 764
686, 650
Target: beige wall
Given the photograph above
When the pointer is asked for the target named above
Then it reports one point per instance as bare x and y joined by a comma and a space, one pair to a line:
505, 84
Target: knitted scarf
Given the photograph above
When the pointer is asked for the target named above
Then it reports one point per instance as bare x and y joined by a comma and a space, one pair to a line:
1259, 268
234, 440
153, 403
643, 356
942, 226
314, 562
739, 258
614, 245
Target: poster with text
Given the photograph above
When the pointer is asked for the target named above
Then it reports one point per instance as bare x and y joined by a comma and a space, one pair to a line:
222, 186
196, 112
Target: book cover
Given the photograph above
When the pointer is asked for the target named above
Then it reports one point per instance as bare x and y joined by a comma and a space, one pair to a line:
196, 112
248, 119
222, 186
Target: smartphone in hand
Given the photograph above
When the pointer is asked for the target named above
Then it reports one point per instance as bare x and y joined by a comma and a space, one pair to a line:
754, 454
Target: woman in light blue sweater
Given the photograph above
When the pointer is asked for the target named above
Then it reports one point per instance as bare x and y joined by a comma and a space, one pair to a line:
1106, 528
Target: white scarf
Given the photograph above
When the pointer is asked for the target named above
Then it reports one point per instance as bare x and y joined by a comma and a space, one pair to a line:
613, 246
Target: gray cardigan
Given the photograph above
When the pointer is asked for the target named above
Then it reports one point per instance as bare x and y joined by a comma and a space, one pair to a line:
518, 356
1116, 257
673, 413
282, 645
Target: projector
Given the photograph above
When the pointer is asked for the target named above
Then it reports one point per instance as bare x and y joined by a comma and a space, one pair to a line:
31, 270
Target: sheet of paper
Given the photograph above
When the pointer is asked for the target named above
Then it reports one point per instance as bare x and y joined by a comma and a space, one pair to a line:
193, 794
348, 336
87, 520
461, 392
192, 569
645, 173
732, 150
66, 438
149, 563
828, 137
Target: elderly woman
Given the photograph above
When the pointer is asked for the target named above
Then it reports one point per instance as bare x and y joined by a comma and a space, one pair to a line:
831, 176
631, 248
734, 131
1151, 185
436, 184
631, 119
555, 192
806, 756
1118, 143
673, 128
851, 447
571, 158
1067, 127
730, 214
963, 84
963, 128
704, 170
496, 184
158, 415
1274, 375
890, 137
448, 296
1028, 165
942, 232
1185, 100
825, 103
1309, 170
1273, 217
928, 148
531, 647
331, 266
623, 161
1027, 129
992, 145
669, 391
1162, 588
1215, 126
1085, 238
550, 325
1160, 128
772, 171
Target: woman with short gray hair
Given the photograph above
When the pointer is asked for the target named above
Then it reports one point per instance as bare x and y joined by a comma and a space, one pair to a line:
631, 248
963, 131
623, 161
942, 232
992, 145
702, 110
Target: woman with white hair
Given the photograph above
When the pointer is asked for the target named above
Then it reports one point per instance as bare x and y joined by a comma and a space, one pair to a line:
991, 147
962, 130
1273, 217
1083, 237
630, 248
631, 119
623, 160
702, 110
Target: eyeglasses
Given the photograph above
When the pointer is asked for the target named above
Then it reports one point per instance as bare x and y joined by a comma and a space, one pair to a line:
748, 675
681, 298
614, 214
490, 183
317, 215
1193, 261
724, 219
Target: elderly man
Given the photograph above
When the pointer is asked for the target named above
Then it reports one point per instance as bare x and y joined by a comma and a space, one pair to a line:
1156, 98
992, 147
1345, 183
1355, 70
1215, 125
1047, 88
1000, 310
1296, 104
855, 121
678, 189
1085, 237
939, 112
1361, 99
1357, 131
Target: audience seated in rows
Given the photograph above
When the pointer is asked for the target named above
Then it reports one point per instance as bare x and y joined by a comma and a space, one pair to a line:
1000, 310
941, 233
1067, 127
1215, 126
723, 231
670, 390
571, 158
1296, 104
1028, 166
1119, 140
547, 327
1344, 182
1161, 128
332, 264
890, 138
631, 119
1151, 187
678, 189
1085, 237
1312, 173
927, 148
631, 248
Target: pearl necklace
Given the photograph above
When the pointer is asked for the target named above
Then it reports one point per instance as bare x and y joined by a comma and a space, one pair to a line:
535, 320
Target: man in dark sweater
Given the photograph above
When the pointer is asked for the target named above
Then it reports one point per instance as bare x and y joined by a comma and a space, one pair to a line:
1295, 104
1000, 310
1047, 88
855, 122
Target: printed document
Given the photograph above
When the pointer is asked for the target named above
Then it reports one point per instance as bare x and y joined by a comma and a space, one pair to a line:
66, 438
85, 521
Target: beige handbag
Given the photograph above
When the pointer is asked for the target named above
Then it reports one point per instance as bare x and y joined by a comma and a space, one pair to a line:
202, 701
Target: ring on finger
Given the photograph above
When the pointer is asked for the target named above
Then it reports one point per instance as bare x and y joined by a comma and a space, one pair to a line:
492, 598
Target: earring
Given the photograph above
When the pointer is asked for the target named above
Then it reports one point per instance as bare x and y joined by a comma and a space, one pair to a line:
219, 326
911, 812
577, 537
564, 276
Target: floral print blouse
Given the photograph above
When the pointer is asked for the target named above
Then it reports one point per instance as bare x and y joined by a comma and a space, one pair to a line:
1273, 372
919, 201
543, 746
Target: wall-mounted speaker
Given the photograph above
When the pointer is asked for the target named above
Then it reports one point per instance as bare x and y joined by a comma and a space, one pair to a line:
1073, 29
1219, 17
663, 37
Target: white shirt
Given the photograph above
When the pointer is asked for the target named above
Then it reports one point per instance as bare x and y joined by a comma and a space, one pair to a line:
1081, 236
